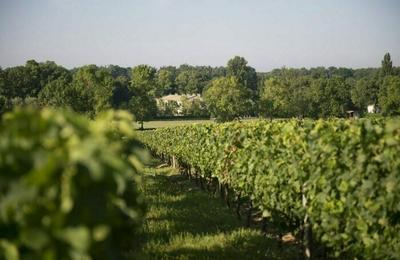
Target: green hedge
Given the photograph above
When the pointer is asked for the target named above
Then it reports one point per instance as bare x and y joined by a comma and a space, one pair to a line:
68, 186
344, 175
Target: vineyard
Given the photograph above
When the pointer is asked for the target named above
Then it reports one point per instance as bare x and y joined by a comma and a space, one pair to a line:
166, 129
333, 182
74, 188
68, 185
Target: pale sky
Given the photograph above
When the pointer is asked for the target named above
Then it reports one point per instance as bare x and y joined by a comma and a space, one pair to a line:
269, 34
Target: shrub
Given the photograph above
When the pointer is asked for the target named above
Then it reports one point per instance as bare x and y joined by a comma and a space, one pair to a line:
68, 186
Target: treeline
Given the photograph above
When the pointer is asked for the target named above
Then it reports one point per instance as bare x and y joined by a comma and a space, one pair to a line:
321, 92
229, 92
315, 93
91, 89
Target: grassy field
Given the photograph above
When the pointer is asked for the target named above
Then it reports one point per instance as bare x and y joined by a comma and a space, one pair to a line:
184, 222
167, 123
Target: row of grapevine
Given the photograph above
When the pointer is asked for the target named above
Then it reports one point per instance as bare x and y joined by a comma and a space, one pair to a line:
68, 185
341, 176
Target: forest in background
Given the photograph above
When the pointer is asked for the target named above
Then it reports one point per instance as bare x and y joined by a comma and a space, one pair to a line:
229, 92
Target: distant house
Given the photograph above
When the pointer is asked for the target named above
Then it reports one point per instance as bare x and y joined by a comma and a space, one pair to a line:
176, 101
372, 109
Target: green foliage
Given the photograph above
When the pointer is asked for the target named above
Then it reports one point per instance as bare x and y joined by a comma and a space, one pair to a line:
347, 171
68, 186
165, 82
93, 88
3, 104
305, 96
246, 75
59, 93
121, 94
273, 98
389, 95
28, 80
333, 97
143, 78
286, 92
387, 67
142, 103
188, 82
143, 107
364, 93
226, 99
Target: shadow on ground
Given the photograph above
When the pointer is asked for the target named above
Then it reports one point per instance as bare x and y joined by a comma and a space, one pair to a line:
184, 222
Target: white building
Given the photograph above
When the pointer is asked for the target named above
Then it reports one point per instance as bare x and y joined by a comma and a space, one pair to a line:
372, 109
178, 100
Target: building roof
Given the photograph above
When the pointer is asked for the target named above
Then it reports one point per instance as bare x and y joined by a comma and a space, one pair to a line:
178, 98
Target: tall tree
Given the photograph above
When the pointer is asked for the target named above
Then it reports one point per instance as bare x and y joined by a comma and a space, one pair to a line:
386, 65
143, 78
226, 99
246, 75
94, 86
142, 103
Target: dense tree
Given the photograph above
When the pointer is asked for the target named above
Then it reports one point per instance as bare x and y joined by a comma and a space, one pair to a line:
57, 93
143, 78
142, 103
285, 97
28, 80
218, 72
366, 73
189, 82
246, 75
50, 71
120, 94
166, 81
396, 71
389, 96
340, 72
304, 96
364, 93
182, 80
333, 97
93, 88
117, 71
284, 92
226, 98
19, 82
3, 104
273, 98
143, 107
300, 97
387, 67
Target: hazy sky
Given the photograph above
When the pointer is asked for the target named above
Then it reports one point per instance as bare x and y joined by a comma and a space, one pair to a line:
268, 33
